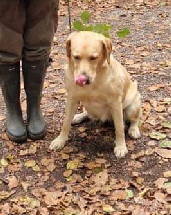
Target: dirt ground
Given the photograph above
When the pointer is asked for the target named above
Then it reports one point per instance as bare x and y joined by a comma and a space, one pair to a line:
86, 178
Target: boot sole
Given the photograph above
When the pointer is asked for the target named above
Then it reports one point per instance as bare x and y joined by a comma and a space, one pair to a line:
37, 136
20, 139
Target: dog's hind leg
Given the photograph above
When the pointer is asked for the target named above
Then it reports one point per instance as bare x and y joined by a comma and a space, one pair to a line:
80, 117
133, 113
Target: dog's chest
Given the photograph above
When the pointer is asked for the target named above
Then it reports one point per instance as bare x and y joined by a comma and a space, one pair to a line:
97, 106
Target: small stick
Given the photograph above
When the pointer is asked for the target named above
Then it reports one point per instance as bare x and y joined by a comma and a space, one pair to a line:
5, 181
69, 13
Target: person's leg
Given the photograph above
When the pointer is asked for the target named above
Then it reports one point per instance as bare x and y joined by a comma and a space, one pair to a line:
40, 27
12, 18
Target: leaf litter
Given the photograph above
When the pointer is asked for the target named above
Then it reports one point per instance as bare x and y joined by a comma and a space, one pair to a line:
85, 178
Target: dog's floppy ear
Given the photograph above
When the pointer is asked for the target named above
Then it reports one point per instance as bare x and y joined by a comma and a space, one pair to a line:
107, 48
68, 43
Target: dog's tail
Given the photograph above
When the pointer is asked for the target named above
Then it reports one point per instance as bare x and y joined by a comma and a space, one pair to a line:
131, 94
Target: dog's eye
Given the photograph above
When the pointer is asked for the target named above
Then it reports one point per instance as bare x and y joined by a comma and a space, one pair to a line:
91, 58
77, 57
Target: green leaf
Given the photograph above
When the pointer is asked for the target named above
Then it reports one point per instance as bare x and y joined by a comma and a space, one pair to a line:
78, 25
89, 28
165, 144
85, 16
166, 125
96, 170
98, 28
157, 135
106, 34
130, 193
166, 185
123, 33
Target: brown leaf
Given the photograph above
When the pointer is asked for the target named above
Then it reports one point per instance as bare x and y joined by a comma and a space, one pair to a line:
82, 129
5, 209
160, 197
167, 174
52, 198
49, 164
168, 190
65, 156
2, 117
17, 209
118, 195
25, 186
165, 153
13, 182
101, 161
100, 179
43, 211
160, 181
62, 91
67, 173
51, 167
156, 87
5, 195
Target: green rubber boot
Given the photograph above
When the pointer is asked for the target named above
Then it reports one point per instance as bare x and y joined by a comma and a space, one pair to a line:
34, 74
10, 83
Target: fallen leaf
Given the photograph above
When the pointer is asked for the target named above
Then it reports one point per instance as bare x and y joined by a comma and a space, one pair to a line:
167, 174
168, 190
167, 184
165, 144
36, 168
5, 195
157, 135
13, 182
30, 202
4, 162
62, 91
118, 195
156, 87
82, 129
160, 197
100, 179
67, 173
25, 186
2, 117
65, 156
72, 165
52, 198
165, 153
108, 209
160, 182
30, 163
130, 193
166, 125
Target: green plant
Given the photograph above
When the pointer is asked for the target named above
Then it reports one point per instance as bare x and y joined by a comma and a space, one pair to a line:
83, 25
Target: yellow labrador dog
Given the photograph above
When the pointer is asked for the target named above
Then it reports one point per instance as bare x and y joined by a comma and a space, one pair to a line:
102, 85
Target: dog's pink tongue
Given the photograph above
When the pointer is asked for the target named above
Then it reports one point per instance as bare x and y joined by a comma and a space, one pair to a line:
81, 80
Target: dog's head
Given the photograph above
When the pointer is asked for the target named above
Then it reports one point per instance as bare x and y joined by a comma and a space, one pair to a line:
87, 51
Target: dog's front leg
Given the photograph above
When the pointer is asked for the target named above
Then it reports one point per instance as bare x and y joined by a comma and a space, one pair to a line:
120, 149
70, 110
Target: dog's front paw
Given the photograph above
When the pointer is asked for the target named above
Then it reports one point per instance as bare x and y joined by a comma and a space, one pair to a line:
57, 143
134, 132
79, 118
120, 151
